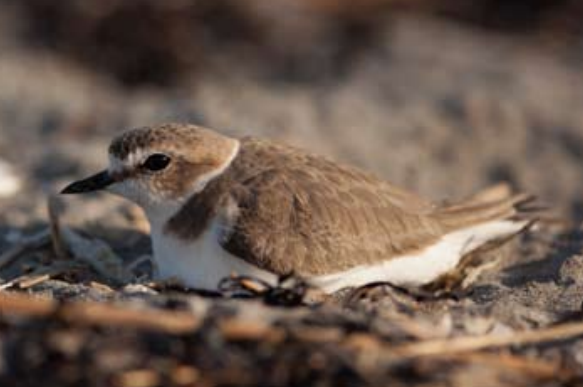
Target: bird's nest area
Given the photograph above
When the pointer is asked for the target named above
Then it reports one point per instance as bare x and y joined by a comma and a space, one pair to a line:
73, 306
441, 97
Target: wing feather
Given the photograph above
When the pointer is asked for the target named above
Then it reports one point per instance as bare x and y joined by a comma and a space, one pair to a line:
306, 214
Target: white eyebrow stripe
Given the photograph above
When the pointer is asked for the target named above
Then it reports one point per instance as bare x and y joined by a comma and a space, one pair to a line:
133, 160
136, 157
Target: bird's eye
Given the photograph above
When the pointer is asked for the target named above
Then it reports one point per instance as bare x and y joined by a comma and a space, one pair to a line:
156, 162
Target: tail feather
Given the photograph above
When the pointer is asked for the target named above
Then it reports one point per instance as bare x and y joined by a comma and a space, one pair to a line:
496, 203
491, 194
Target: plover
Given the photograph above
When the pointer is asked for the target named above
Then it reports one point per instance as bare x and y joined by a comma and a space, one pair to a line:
219, 206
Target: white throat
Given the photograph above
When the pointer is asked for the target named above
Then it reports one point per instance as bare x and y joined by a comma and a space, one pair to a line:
201, 263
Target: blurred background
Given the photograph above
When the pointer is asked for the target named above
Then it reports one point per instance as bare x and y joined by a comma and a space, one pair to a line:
442, 96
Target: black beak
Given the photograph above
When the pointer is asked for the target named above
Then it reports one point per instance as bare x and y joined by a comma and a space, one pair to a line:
93, 183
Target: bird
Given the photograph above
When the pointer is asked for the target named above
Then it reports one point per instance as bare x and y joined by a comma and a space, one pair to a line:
220, 206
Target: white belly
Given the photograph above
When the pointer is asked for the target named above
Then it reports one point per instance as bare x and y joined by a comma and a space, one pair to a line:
202, 263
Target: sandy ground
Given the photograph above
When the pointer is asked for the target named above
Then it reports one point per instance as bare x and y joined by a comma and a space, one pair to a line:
440, 109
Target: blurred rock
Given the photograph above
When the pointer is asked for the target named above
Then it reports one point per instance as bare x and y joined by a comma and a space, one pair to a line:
10, 184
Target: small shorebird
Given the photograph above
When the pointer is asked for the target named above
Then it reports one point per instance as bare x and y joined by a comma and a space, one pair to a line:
219, 206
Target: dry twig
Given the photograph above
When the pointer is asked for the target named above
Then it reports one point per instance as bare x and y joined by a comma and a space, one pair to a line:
59, 248
92, 313
29, 281
536, 367
453, 345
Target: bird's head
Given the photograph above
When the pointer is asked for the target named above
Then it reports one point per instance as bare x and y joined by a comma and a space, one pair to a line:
161, 165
